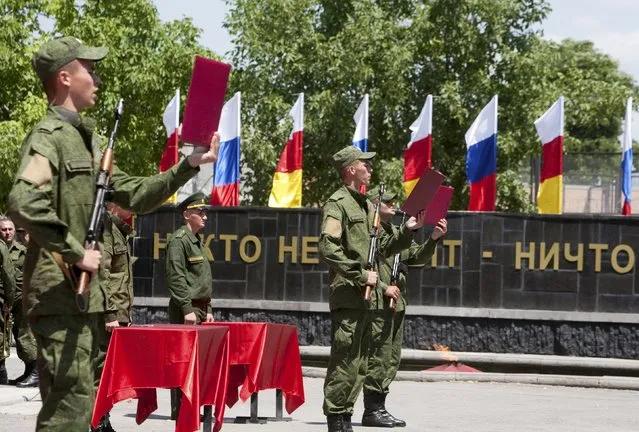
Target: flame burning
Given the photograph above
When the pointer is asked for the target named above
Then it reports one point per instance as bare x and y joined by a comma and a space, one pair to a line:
445, 351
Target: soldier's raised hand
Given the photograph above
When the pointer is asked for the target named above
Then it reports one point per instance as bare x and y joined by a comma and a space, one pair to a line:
415, 223
440, 229
202, 155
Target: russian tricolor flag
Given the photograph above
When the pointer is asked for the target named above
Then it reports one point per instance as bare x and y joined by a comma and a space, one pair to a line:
626, 160
481, 159
360, 139
287, 181
550, 128
417, 157
171, 120
226, 183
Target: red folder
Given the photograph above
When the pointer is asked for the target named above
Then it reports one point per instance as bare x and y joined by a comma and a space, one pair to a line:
438, 207
205, 101
424, 192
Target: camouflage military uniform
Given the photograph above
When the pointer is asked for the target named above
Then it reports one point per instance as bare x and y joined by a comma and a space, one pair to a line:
347, 218
52, 199
7, 297
388, 325
25, 341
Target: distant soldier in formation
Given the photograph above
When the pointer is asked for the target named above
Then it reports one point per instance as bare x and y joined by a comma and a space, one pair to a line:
7, 297
25, 342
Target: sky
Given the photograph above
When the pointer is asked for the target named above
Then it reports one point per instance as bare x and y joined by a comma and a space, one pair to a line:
610, 24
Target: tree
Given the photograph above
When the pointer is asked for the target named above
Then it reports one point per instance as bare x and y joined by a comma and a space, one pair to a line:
461, 51
147, 61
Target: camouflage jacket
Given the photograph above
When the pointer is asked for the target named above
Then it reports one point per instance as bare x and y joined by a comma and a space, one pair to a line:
415, 255
7, 276
118, 275
188, 272
17, 252
52, 198
344, 242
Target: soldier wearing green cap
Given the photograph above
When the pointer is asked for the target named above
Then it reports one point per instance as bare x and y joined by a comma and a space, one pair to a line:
347, 219
51, 198
387, 323
188, 273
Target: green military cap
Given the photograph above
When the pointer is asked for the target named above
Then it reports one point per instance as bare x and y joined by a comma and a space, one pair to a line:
348, 155
373, 195
196, 200
58, 52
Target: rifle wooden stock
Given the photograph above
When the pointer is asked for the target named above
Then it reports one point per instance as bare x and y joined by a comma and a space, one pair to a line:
395, 269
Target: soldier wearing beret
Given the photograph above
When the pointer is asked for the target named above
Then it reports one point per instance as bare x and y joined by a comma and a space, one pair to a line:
347, 219
51, 198
188, 273
25, 342
387, 324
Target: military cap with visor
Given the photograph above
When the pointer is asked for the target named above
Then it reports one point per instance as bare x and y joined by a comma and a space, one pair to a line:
58, 52
373, 195
197, 200
348, 155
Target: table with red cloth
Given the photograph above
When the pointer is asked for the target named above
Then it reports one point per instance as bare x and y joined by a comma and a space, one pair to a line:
140, 359
263, 356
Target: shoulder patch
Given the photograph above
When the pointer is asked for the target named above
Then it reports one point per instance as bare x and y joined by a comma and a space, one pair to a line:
49, 125
179, 234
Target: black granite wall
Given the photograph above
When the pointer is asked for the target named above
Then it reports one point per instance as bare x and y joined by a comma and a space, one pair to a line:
488, 260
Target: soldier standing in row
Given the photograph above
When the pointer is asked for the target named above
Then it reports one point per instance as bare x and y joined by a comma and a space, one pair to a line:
188, 273
25, 342
7, 297
347, 219
117, 275
51, 198
387, 322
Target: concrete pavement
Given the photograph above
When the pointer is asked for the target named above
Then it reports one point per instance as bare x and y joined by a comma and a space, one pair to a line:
426, 406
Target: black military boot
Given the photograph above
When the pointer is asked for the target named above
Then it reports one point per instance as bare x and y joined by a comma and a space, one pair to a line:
4, 379
32, 380
374, 413
396, 421
348, 426
335, 423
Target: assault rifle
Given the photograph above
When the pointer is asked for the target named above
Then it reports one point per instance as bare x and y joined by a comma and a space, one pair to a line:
96, 222
395, 269
374, 236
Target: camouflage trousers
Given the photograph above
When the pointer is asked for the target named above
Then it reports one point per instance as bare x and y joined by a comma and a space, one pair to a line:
67, 349
22, 334
350, 339
2, 332
385, 353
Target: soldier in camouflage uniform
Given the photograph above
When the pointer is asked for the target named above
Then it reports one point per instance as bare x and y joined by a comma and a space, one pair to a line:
188, 273
117, 276
25, 342
347, 219
51, 198
7, 297
387, 323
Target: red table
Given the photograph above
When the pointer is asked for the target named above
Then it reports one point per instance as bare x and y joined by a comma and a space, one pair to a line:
143, 358
263, 356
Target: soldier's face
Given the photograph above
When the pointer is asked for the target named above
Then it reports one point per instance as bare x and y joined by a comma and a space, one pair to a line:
7, 231
196, 218
83, 84
363, 171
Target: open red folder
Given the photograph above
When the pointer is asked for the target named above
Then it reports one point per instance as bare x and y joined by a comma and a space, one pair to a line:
424, 192
205, 101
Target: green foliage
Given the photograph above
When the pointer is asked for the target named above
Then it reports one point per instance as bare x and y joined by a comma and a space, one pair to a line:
398, 51
147, 61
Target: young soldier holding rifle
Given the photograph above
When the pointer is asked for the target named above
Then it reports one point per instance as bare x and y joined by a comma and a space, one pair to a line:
52, 198
347, 220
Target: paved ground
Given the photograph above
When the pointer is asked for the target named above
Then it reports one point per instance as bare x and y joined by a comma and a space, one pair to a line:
439, 406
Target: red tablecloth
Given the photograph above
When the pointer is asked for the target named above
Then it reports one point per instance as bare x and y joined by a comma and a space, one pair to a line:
264, 356
143, 358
